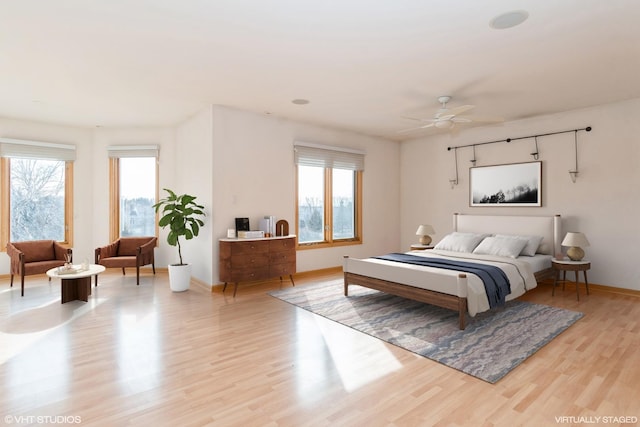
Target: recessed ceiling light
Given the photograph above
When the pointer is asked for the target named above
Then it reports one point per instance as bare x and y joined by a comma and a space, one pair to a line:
509, 19
300, 101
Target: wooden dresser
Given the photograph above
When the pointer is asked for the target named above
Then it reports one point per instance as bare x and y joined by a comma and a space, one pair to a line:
243, 260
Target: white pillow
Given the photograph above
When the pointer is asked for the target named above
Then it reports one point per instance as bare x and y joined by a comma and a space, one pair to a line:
501, 246
460, 242
533, 242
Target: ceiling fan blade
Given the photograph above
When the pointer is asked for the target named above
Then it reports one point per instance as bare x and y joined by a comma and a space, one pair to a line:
482, 119
459, 110
463, 119
416, 128
417, 119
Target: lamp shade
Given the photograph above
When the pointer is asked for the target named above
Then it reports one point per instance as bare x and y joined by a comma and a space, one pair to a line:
425, 230
575, 239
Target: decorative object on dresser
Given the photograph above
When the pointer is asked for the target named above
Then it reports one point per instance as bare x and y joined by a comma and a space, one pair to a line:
282, 228
242, 224
182, 215
576, 241
243, 260
424, 231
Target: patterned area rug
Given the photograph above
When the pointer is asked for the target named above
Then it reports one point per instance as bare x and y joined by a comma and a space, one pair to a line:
492, 344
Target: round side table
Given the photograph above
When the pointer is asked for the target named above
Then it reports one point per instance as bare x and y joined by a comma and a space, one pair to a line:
420, 247
565, 265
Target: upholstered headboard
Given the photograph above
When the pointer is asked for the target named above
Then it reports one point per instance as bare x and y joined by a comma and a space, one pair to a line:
549, 227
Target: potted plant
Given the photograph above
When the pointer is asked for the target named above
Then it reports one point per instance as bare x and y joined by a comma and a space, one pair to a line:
182, 215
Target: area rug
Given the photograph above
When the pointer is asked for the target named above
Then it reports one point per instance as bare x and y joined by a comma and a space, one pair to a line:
492, 345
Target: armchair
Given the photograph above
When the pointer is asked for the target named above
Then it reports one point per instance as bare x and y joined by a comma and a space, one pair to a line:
128, 252
35, 257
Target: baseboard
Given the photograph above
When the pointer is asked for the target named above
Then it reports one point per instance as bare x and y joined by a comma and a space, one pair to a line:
597, 287
303, 274
614, 290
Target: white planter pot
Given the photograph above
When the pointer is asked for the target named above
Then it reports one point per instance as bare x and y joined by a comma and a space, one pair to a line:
179, 277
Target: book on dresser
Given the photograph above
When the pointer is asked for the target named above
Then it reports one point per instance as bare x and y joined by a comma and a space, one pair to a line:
244, 260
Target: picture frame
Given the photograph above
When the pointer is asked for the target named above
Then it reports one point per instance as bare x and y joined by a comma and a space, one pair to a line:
513, 184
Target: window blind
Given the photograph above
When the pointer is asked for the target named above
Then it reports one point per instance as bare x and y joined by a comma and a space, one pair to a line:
133, 151
25, 149
309, 154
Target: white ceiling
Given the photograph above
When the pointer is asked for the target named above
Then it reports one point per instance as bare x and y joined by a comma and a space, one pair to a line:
363, 64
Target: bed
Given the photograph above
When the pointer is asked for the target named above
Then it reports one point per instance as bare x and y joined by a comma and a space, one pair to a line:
462, 291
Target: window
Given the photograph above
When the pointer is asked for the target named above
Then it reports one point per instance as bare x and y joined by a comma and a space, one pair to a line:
134, 190
37, 191
329, 196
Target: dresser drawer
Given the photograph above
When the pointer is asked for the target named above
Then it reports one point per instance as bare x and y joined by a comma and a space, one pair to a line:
282, 257
278, 245
249, 247
248, 274
250, 260
282, 269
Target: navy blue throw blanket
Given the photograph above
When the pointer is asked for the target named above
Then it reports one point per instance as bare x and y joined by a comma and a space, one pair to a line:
496, 283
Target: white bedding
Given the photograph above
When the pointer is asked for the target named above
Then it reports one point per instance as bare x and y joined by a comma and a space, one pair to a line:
519, 272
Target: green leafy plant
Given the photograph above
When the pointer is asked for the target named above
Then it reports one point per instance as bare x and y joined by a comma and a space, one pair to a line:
181, 214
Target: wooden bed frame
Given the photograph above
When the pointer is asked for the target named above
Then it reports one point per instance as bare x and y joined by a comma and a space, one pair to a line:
464, 223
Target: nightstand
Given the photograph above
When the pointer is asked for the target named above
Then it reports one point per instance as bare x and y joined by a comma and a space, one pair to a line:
568, 265
420, 247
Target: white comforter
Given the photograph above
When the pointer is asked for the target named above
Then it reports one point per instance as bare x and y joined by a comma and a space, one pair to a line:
519, 273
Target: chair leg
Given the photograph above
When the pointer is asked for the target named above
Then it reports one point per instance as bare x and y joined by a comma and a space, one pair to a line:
22, 285
138, 275
123, 271
153, 266
11, 283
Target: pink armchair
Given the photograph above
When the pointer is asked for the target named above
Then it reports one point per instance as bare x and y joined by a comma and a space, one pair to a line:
35, 257
128, 252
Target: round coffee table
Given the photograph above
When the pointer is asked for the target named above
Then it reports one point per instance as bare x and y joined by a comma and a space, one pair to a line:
76, 283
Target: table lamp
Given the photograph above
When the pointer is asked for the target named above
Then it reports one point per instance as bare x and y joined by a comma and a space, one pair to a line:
424, 232
575, 241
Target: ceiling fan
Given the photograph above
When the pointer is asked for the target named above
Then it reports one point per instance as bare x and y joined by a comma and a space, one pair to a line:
447, 118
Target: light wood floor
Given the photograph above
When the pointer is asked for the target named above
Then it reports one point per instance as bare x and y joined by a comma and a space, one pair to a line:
143, 356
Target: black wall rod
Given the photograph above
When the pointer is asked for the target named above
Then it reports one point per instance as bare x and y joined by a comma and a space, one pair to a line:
588, 129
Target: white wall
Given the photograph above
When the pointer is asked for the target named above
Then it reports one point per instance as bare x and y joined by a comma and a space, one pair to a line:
193, 174
82, 188
603, 203
239, 164
244, 167
102, 138
254, 175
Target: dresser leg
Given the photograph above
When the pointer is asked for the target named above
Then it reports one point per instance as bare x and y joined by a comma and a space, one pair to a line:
293, 283
225, 286
235, 289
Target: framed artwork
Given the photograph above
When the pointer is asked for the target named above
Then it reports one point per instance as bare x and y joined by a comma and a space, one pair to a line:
516, 184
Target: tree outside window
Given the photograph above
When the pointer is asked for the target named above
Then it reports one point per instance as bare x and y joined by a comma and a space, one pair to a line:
37, 199
328, 206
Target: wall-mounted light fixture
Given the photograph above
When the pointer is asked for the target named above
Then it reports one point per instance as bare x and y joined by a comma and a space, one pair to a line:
574, 173
454, 182
536, 152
